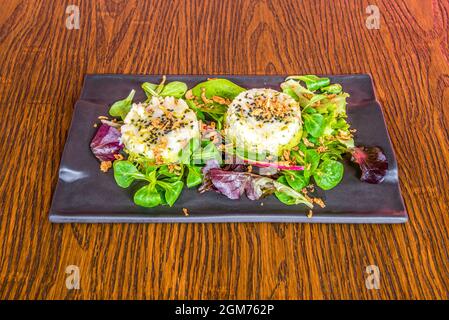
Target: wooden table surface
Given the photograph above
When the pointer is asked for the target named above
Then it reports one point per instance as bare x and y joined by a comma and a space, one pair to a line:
42, 65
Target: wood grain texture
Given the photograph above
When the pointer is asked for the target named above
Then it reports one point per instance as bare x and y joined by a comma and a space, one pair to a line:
42, 65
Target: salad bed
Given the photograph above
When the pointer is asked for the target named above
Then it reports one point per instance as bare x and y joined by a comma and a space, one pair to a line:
213, 163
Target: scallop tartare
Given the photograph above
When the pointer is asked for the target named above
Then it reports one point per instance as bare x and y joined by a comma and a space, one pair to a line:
263, 121
158, 130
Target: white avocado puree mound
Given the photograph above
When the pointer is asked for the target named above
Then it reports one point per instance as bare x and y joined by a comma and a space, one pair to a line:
263, 121
158, 130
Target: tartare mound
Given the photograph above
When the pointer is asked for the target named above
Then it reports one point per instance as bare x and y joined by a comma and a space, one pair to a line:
160, 129
263, 121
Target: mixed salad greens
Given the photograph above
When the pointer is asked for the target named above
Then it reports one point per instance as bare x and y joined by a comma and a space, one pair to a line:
228, 139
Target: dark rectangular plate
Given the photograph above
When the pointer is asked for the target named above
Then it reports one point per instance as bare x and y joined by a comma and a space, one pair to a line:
85, 194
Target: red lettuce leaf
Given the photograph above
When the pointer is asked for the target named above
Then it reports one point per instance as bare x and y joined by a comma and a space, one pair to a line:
372, 162
234, 181
207, 184
229, 183
106, 143
234, 184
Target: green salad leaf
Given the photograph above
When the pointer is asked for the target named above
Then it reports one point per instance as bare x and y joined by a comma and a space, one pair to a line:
199, 113
340, 103
314, 124
147, 196
149, 89
312, 82
218, 87
165, 172
194, 176
185, 155
290, 92
297, 91
172, 190
287, 195
125, 173
296, 179
207, 152
335, 88
175, 89
329, 174
311, 162
121, 108
203, 103
315, 99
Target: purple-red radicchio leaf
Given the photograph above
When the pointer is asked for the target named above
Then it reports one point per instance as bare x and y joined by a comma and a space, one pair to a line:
106, 143
233, 184
373, 163
207, 184
233, 181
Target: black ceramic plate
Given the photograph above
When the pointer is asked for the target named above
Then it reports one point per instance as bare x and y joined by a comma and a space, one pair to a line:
85, 194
